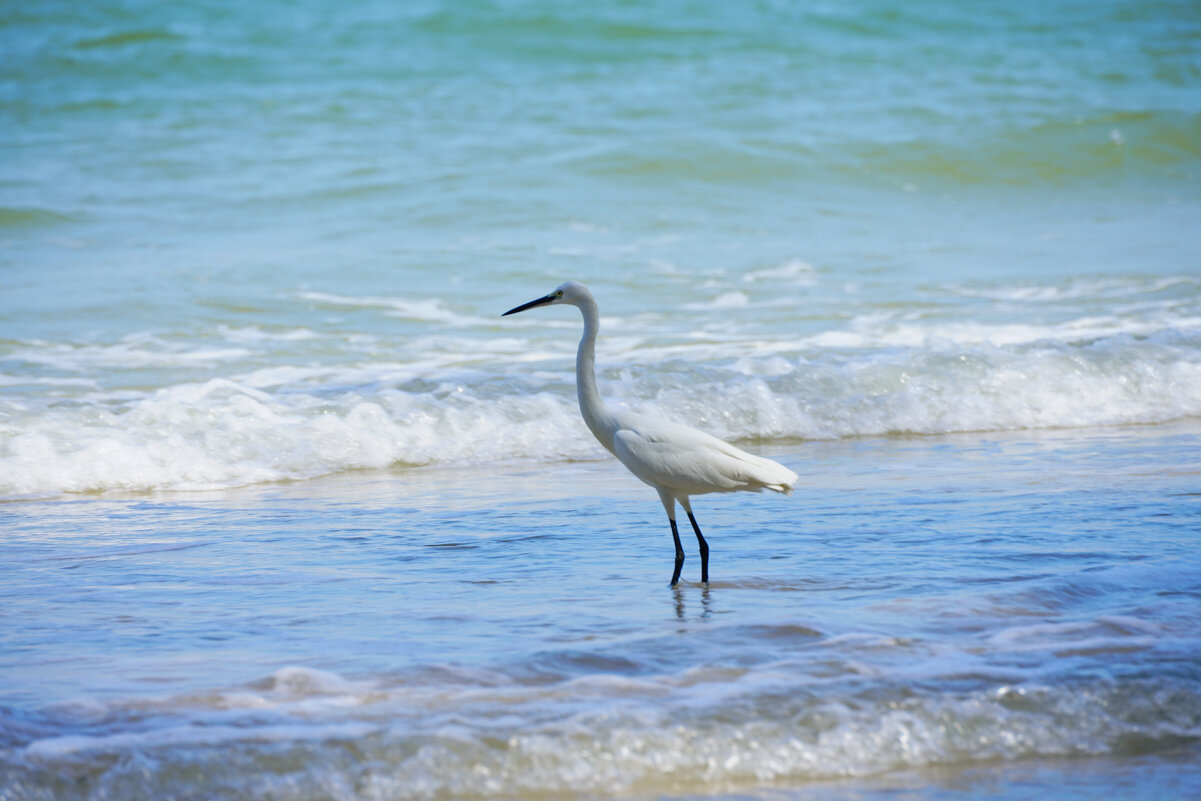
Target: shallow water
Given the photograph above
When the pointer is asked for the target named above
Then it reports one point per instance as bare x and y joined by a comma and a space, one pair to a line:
288, 510
920, 604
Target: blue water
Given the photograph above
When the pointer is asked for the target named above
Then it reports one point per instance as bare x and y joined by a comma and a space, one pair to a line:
289, 511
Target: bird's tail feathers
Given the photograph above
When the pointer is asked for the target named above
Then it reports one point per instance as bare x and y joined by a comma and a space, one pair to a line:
772, 475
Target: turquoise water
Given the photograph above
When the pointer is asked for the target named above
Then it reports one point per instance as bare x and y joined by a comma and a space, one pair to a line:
290, 511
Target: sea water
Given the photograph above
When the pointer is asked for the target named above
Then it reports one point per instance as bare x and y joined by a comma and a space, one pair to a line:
291, 512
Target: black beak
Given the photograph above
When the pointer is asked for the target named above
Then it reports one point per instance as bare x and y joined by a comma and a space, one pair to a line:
539, 302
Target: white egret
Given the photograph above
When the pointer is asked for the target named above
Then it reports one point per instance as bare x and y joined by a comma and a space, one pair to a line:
676, 460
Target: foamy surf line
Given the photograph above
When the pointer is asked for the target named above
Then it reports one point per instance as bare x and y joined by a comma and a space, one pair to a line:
228, 432
700, 731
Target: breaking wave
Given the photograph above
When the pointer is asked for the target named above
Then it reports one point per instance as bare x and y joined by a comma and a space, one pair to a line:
281, 423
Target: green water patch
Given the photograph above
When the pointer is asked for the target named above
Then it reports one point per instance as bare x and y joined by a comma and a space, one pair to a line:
1159, 143
126, 39
31, 217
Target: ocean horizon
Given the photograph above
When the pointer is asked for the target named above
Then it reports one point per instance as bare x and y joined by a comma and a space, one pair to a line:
288, 510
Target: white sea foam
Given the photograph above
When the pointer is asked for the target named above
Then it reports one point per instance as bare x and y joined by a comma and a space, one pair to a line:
46, 381
794, 271
224, 433
687, 732
726, 300
254, 334
290, 422
426, 310
139, 351
1078, 289
906, 329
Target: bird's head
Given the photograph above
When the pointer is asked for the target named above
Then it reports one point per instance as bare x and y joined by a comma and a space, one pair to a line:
572, 292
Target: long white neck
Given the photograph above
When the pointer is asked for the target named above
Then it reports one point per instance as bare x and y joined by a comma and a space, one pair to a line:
596, 415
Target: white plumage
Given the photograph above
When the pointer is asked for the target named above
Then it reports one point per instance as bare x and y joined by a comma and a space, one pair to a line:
676, 460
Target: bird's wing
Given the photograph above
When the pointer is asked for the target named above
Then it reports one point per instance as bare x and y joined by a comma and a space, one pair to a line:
692, 462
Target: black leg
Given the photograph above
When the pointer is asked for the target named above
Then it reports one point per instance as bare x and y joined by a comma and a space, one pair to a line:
675, 535
704, 549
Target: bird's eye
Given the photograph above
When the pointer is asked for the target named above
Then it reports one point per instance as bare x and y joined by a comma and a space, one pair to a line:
558, 293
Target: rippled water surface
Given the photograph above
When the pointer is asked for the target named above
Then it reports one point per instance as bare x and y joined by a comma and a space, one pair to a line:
922, 605
289, 511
